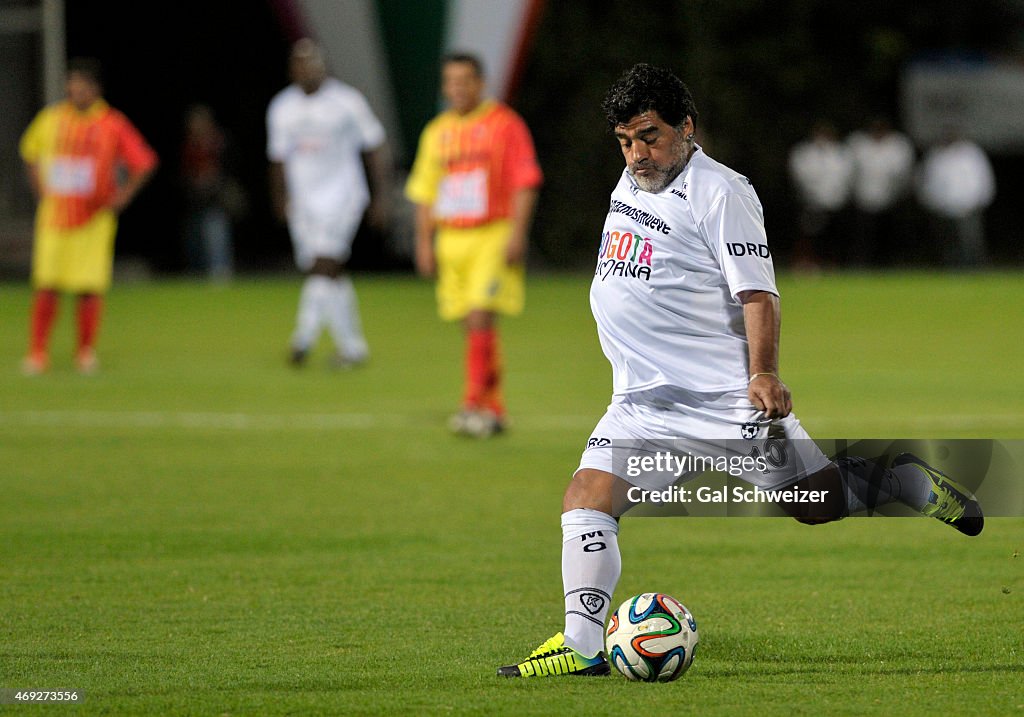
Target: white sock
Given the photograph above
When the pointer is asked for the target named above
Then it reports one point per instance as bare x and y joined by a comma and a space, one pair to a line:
914, 485
591, 565
309, 320
869, 485
343, 320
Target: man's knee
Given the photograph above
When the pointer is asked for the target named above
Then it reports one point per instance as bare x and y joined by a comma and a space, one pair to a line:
824, 498
830, 498
580, 493
595, 490
479, 319
326, 266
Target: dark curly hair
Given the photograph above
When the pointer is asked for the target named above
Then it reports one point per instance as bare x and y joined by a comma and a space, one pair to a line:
465, 58
643, 88
88, 67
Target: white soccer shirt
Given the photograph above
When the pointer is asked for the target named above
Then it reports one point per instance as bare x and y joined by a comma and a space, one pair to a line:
668, 274
956, 180
823, 172
320, 139
884, 167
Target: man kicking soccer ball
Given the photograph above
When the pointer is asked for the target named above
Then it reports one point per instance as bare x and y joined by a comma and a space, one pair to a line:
688, 315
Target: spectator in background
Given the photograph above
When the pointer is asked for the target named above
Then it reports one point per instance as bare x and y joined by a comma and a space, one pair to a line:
883, 161
475, 182
956, 184
212, 196
86, 162
822, 171
320, 134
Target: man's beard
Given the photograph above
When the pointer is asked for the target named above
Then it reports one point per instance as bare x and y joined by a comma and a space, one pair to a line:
660, 176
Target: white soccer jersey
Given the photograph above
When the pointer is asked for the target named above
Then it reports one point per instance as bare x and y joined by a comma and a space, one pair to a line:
884, 168
668, 274
823, 172
320, 138
956, 180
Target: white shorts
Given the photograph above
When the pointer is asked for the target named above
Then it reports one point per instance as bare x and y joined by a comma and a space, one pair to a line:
329, 237
705, 427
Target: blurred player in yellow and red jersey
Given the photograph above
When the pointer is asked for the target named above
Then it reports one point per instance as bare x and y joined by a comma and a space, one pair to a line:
475, 183
86, 163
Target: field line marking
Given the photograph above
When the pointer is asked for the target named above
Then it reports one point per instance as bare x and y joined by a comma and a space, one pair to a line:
250, 421
253, 421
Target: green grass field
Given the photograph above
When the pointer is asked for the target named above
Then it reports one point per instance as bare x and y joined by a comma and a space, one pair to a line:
201, 530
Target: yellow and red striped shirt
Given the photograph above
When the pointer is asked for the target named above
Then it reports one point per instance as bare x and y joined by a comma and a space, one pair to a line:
77, 155
469, 167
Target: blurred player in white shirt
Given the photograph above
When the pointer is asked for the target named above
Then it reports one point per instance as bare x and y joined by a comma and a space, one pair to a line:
320, 134
956, 184
883, 171
687, 312
821, 168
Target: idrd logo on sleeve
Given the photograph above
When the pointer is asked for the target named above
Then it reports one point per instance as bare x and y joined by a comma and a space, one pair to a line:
748, 249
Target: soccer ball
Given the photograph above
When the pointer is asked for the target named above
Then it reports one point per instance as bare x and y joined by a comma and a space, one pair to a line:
652, 638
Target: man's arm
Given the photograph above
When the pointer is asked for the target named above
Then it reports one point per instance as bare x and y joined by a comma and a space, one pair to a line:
523, 203
762, 318
377, 162
34, 180
278, 191
127, 191
425, 261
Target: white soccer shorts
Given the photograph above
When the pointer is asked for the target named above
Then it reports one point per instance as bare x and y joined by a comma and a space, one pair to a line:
314, 236
704, 427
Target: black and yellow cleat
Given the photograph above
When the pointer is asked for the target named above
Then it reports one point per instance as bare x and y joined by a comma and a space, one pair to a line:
949, 501
553, 658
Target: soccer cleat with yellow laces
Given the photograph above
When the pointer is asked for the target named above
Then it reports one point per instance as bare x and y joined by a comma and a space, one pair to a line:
949, 501
554, 657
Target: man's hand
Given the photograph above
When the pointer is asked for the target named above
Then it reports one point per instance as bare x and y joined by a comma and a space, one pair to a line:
523, 203
278, 192
378, 166
119, 201
281, 212
515, 252
377, 216
125, 193
769, 394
